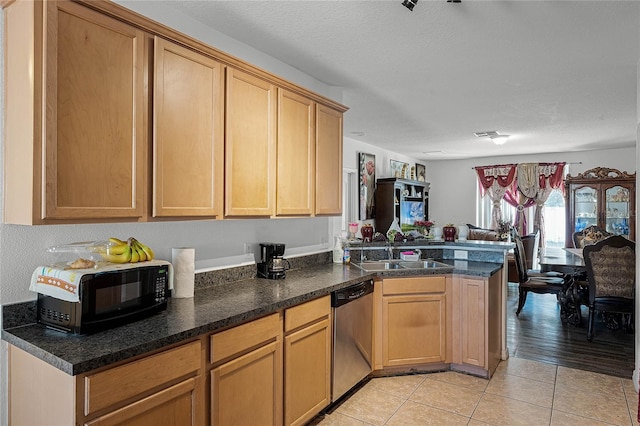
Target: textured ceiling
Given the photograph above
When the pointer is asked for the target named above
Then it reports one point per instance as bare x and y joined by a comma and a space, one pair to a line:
555, 75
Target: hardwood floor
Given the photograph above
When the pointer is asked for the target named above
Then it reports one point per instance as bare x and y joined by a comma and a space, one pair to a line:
538, 334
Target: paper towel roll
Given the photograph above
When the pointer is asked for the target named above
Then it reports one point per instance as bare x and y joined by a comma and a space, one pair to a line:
183, 260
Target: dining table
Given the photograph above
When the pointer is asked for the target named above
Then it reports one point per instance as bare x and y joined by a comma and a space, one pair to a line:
561, 259
570, 263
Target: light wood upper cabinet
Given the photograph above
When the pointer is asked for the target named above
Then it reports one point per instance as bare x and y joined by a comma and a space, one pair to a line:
250, 147
188, 134
295, 154
84, 157
328, 181
87, 141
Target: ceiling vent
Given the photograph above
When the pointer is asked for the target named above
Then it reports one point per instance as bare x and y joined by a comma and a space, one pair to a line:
487, 134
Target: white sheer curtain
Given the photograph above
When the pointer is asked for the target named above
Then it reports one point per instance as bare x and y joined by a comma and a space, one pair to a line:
522, 186
494, 182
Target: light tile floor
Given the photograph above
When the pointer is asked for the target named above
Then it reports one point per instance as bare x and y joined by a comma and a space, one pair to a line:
521, 392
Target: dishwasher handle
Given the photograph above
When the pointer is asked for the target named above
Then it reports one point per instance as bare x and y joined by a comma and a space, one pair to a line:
353, 292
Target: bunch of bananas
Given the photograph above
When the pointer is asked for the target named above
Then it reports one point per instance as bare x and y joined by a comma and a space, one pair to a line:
130, 251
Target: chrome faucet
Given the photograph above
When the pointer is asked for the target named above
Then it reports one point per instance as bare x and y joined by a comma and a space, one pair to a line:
390, 252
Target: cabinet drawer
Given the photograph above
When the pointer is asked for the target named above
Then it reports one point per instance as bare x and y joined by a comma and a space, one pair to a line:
243, 337
306, 313
171, 406
120, 383
411, 285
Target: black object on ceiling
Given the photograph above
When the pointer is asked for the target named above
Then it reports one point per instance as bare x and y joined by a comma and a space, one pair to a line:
409, 4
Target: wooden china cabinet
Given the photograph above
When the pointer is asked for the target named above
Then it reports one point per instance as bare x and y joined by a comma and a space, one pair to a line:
602, 197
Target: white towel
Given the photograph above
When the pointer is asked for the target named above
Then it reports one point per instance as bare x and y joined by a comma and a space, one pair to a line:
64, 283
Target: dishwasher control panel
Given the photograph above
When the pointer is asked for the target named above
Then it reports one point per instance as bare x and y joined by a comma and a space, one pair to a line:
355, 291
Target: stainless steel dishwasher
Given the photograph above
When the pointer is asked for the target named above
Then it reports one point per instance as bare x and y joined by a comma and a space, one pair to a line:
352, 336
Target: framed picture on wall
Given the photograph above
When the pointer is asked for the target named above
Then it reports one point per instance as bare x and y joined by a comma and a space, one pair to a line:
367, 170
399, 169
421, 172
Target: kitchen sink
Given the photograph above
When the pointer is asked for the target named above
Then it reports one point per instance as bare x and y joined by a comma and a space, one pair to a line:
385, 265
378, 265
423, 264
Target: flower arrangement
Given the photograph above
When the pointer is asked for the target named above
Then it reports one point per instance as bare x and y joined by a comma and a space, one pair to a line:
424, 223
503, 230
423, 226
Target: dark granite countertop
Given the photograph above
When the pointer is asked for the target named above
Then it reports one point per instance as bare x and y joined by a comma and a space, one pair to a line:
211, 309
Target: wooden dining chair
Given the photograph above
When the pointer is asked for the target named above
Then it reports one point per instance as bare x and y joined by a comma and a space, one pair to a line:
538, 283
589, 235
611, 277
531, 244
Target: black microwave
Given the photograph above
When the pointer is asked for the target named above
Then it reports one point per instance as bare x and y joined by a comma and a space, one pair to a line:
108, 299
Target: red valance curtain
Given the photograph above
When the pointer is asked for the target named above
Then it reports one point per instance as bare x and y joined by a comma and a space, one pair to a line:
522, 186
495, 181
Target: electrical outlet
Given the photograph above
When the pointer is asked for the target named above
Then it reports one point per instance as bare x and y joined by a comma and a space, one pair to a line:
248, 248
460, 254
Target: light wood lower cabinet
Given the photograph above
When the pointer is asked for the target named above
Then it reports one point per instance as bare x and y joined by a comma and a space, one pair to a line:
274, 370
477, 304
414, 321
307, 360
174, 405
246, 378
163, 388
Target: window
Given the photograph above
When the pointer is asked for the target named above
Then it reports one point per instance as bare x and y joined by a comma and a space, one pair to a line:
554, 220
554, 216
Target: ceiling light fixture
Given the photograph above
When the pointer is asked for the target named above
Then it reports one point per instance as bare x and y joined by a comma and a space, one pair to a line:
409, 4
499, 139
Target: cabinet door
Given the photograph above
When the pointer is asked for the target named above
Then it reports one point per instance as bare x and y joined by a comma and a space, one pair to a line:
95, 144
328, 181
248, 390
296, 154
618, 200
307, 366
473, 321
585, 206
250, 162
172, 406
188, 144
414, 329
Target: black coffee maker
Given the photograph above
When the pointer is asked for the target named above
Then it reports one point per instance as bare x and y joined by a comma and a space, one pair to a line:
271, 264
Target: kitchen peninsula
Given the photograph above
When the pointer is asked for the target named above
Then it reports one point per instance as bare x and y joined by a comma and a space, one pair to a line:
177, 357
